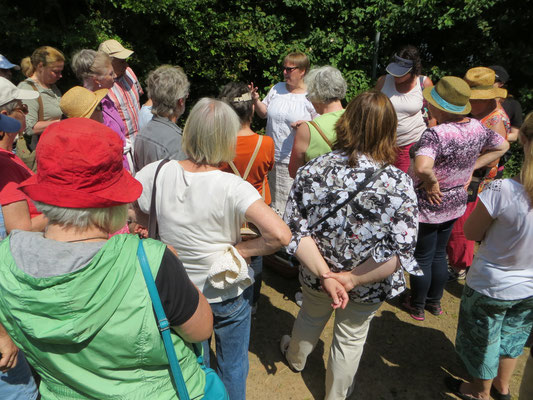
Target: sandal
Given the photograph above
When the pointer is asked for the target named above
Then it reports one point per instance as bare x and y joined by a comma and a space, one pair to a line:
454, 385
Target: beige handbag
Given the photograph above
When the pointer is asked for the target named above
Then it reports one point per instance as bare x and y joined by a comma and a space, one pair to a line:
23, 152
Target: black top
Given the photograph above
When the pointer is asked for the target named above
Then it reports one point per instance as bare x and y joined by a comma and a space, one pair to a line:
514, 110
178, 294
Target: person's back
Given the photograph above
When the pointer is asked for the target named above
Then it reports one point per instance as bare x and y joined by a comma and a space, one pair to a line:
96, 327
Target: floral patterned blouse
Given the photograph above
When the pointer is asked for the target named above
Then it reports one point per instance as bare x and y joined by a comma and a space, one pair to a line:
379, 222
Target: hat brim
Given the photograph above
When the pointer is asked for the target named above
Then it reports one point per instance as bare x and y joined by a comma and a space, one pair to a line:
488, 94
397, 70
122, 54
8, 124
23, 94
100, 94
427, 95
125, 190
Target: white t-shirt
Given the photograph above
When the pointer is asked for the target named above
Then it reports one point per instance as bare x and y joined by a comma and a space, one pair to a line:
199, 214
284, 108
503, 266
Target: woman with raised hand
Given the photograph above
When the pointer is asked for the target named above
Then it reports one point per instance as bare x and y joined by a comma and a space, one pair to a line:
200, 210
403, 85
444, 159
496, 314
285, 104
325, 89
353, 217
74, 300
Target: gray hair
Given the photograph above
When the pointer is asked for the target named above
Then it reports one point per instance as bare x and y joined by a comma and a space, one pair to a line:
166, 85
88, 64
10, 106
210, 133
325, 84
109, 219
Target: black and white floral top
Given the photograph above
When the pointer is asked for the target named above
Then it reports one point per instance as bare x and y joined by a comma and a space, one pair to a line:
380, 222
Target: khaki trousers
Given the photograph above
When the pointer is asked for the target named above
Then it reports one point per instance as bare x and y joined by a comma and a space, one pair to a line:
350, 331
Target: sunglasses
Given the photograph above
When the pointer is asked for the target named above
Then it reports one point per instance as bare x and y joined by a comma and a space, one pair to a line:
289, 69
23, 108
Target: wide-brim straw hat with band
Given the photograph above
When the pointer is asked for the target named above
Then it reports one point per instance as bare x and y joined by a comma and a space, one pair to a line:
399, 66
481, 81
80, 102
79, 165
451, 94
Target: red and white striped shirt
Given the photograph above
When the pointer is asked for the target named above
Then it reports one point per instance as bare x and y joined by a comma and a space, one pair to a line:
126, 93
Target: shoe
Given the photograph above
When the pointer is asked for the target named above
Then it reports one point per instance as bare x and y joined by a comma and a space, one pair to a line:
415, 313
454, 386
454, 275
498, 396
299, 298
284, 344
434, 309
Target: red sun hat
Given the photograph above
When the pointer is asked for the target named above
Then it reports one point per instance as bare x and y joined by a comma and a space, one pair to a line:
79, 165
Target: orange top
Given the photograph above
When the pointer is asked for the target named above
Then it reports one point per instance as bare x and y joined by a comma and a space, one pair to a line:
263, 162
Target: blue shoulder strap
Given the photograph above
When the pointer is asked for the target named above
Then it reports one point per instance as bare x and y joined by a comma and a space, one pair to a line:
162, 323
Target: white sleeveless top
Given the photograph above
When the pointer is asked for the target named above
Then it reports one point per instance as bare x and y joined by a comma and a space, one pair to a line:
408, 107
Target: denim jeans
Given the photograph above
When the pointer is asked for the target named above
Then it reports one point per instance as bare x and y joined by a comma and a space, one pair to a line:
18, 383
257, 266
231, 322
430, 253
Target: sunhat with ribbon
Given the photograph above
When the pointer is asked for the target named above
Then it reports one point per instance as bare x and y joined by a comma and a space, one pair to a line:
80, 102
481, 81
79, 165
450, 94
399, 66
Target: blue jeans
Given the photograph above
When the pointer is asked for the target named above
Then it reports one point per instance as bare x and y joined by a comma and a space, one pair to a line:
430, 253
18, 383
231, 322
257, 266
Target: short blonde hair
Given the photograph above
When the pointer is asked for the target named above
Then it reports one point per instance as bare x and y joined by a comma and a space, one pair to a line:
299, 59
45, 55
210, 133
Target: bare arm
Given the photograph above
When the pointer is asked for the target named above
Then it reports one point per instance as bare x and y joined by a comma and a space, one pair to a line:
302, 138
513, 135
309, 255
8, 351
491, 155
17, 216
200, 326
274, 232
365, 273
260, 107
424, 171
40, 126
431, 121
478, 223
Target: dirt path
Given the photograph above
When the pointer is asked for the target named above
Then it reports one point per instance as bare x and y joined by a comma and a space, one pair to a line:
403, 359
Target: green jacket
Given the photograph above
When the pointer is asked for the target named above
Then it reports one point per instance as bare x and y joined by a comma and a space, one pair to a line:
92, 334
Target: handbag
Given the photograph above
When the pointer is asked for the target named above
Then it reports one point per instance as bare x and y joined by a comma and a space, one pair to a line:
364, 184
24, 150
214, 387
153, 229
249, 230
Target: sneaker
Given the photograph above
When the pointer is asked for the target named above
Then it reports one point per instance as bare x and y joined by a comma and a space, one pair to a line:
434, 309
284, 344
415, 313
299, 298
454, 275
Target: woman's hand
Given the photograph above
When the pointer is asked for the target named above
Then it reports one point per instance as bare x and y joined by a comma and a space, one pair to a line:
253, 90
8, 351
433, 192
336, 291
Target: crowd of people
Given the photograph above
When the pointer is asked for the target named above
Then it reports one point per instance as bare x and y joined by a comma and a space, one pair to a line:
111, 211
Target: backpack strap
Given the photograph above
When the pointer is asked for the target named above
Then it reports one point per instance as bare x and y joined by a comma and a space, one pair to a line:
321, 133
40, 112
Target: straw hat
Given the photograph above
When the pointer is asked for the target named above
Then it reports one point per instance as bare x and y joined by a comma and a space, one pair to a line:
79, 165
481, 81
79, 102
450, 94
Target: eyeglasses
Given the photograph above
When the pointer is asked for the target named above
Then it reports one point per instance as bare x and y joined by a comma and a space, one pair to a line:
23, 108
289, 69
